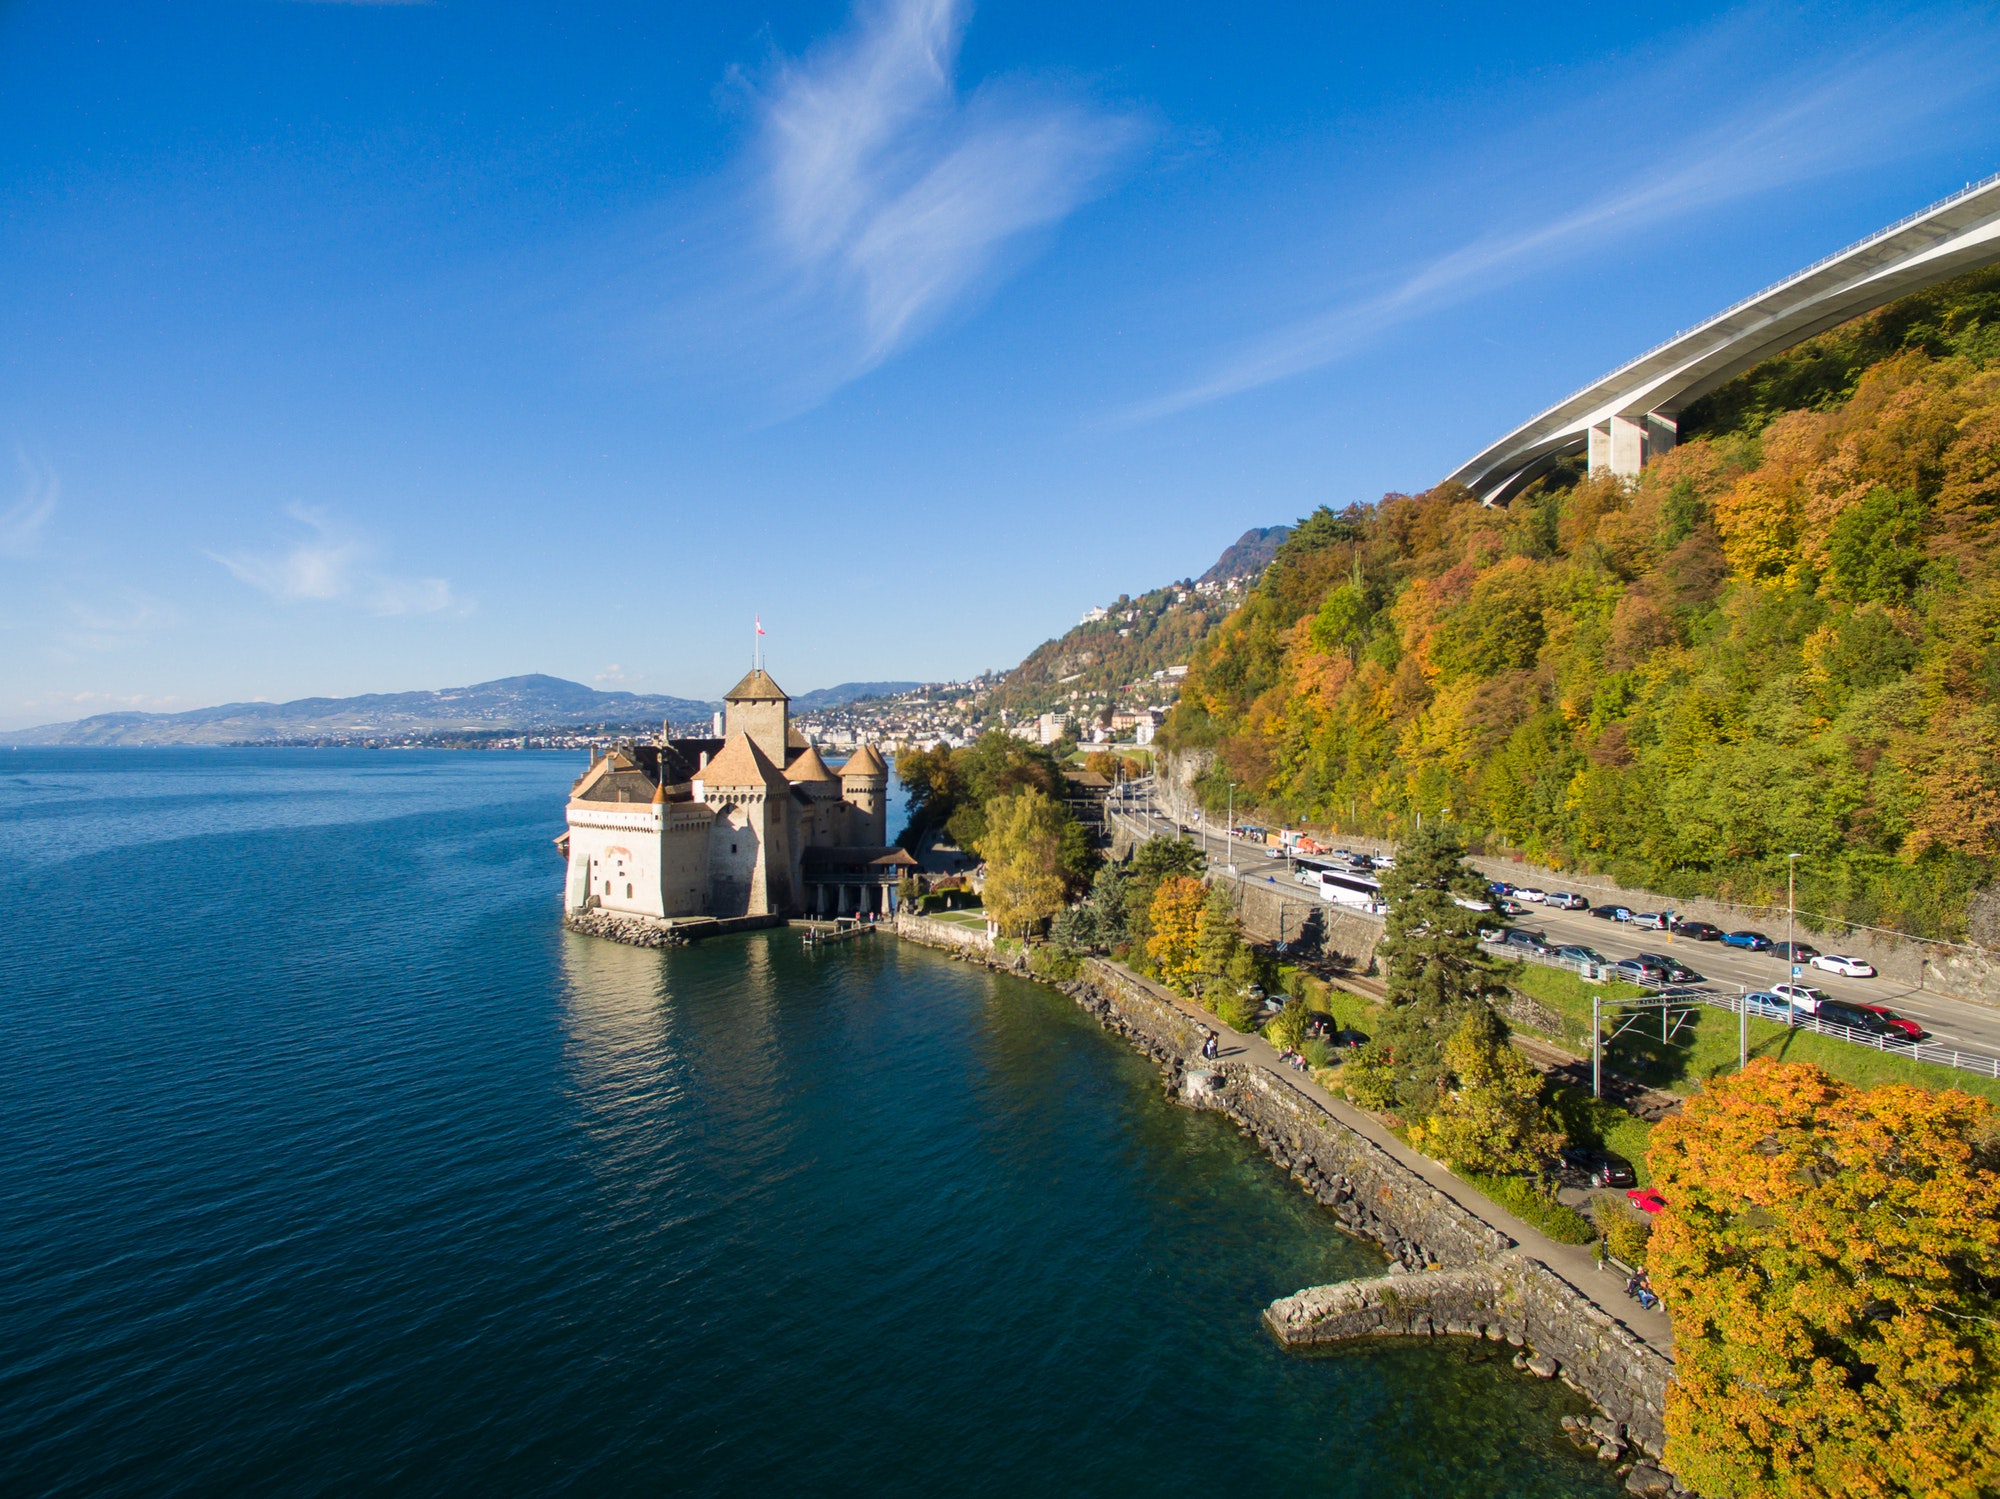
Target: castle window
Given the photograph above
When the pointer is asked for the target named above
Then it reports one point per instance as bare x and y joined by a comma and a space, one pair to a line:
732, 848
628, 892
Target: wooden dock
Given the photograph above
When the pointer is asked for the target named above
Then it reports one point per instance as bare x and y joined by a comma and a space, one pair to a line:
843, 929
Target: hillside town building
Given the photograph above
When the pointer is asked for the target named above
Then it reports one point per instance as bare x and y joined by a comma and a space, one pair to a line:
749, 823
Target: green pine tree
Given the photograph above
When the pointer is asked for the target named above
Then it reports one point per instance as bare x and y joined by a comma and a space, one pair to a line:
1438, 972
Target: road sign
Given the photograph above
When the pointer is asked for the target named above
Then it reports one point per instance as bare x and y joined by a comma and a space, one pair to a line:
1798, 972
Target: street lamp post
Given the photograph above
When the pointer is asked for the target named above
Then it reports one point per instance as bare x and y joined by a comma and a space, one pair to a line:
1791, 913
1228, 833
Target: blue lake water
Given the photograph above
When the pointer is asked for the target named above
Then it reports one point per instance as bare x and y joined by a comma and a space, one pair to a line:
332, 1165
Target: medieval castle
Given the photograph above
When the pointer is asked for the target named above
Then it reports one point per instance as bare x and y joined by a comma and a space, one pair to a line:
751, 824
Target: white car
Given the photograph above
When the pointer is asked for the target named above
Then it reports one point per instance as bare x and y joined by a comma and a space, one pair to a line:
1801, 997
1853, 968
1534, 897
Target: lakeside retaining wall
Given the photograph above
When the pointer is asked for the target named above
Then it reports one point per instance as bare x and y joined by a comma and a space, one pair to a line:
1514, 1297
934, 933
1372, 1193
1453, 1273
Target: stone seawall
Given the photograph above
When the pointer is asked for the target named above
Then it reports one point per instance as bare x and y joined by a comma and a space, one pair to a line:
1512, 1297
1454, 1274
934, 933
1374, 1195
650, 931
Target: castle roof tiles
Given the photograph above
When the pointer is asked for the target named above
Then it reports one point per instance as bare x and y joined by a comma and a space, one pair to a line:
807, 766
864, 762
757, 687
741, 763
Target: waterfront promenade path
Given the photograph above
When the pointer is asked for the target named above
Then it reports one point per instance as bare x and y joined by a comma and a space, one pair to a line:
1575, 1263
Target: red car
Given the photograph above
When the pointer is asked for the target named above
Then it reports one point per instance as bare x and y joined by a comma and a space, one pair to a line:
1902, 1023
1646, 1200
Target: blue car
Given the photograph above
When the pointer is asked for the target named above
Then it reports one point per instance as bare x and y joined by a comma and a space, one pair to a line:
1770, 1006
1750, 941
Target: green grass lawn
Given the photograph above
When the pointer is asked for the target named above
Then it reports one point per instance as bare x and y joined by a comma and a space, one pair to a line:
974, 919
1705, 1046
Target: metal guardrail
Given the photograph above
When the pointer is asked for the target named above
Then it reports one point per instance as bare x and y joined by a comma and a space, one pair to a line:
1757, 296
1981, 1064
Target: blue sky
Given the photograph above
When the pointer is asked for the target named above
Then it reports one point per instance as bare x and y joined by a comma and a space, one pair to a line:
352, 347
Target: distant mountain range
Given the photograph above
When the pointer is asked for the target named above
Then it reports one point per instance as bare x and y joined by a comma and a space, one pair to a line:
512, 704
847, 692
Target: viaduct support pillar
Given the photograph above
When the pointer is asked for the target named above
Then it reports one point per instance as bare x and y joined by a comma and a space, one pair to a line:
1624, 444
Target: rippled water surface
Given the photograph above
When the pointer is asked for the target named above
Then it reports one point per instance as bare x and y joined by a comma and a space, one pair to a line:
332, 1165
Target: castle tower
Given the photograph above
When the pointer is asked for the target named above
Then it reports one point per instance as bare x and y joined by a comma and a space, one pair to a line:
751, 858
758, 707
864, 784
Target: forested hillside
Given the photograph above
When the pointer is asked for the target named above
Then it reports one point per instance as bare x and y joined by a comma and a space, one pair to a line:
1781, 638
1110, 660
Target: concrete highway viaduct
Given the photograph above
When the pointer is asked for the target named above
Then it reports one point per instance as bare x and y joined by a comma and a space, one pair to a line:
1633, 413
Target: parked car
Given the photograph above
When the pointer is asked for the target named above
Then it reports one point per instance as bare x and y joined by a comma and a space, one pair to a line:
1700, 931
1566, 900
1833, 1012
1801, 997
1577, 953
1794, 952
1612, 913
1677, 972
1585, 1167
1770, 1006
1639, 971
1902, 1023
1646, 1200
1530, 894
1750, 941
1500, 887
1652, 921
1533, 941
1513, 908
1854, 968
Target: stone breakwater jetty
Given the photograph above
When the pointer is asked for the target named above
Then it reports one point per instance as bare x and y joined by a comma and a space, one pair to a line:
652, 931
1453, 1274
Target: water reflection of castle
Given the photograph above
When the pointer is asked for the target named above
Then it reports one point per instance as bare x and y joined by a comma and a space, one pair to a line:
751, 824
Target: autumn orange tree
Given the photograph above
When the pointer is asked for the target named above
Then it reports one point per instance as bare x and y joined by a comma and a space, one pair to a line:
1175, 919
1831, 1258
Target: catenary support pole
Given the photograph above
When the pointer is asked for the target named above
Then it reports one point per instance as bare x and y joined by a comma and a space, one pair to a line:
1596, 1046
1742, 1027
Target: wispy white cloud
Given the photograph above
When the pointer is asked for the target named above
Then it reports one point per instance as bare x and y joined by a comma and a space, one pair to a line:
22, 523
331, 565
1800, 129
880, 197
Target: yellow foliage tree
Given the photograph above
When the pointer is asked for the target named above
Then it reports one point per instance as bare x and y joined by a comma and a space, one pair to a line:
1494, 1118
1175, 945
1831, 1257
1022, 848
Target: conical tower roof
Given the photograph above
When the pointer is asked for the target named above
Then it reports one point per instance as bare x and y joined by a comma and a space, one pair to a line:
756, 688
863, 763
807, 767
